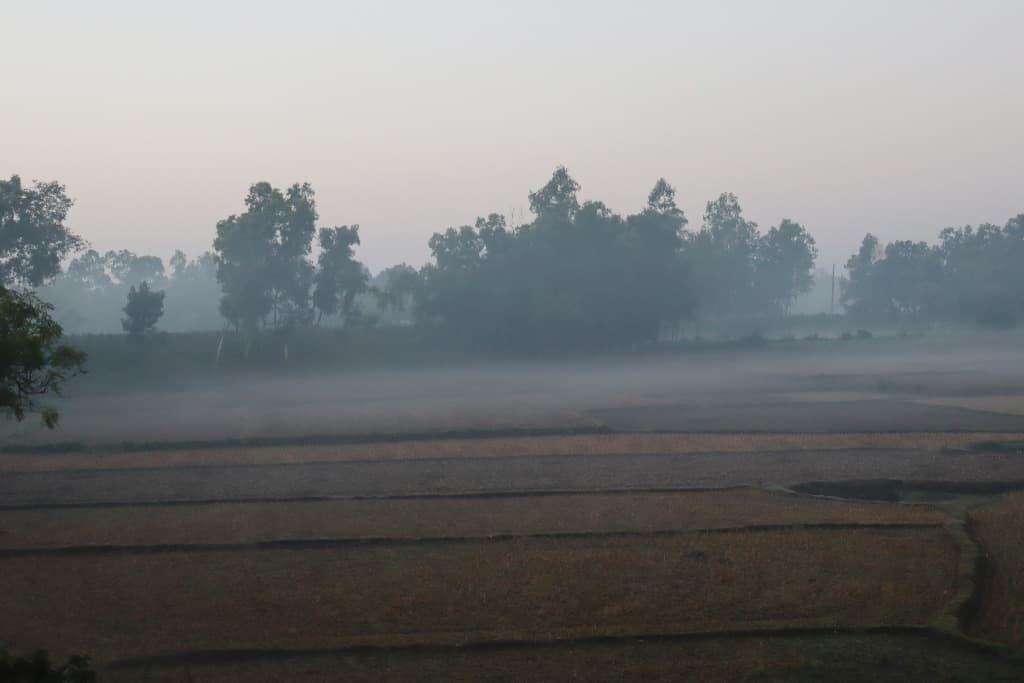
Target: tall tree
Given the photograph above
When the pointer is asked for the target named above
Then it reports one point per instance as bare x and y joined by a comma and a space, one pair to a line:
860, 294
262, 257
33, 237
33, 360
339, 277
556, 201
784, 264
723, 257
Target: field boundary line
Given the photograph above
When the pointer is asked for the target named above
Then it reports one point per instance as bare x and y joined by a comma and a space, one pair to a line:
123, 447
206, 657
470, 495
435, 459
379, 541
792, 489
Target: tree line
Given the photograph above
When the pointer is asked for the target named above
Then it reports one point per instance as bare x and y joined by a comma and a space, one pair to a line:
576, 275
971, 275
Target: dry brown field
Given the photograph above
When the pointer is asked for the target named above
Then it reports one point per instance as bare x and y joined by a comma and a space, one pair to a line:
430, 518
588, 444
895, 658
999, 528
136, 604
468, 580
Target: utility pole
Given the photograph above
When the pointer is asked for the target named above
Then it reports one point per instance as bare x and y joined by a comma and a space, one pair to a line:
832, 304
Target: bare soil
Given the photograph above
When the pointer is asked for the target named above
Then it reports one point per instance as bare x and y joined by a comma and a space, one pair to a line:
439, 518
890, 657
117, 605
1000, 530
588, 444
456, 476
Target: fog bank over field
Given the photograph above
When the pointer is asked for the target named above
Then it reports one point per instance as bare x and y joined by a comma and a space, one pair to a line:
925, 384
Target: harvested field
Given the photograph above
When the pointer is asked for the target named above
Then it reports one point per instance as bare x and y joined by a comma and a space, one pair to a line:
834, 657
439, 518
809, 417
500, 475
729, 391
590, 444
1012, 404
137, 604
1000, 530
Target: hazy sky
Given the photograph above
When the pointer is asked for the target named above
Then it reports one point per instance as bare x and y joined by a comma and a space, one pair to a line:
898, 117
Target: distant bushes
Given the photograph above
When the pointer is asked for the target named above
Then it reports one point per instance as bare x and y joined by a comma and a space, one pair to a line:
166, 361
972, 276
39, 669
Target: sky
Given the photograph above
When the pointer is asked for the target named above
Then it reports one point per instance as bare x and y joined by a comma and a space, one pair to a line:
898, 117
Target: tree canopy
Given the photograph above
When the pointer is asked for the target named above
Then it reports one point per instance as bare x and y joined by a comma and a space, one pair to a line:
33, 360
971, 275
339, 277
577, 276
262, 257
142, 311
33, 237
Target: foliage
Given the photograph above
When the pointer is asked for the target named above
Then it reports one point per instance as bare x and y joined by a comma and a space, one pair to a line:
339, 277
261, 257
38, 669
581, 276
578, 276
971, 275
723, 255
33, 362
33, 238
143, 310
89, 296
784, 265
396, 286
131, 269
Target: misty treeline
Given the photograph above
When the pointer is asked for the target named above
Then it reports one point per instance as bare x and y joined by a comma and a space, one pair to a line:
972, 275
576, 275
580, 275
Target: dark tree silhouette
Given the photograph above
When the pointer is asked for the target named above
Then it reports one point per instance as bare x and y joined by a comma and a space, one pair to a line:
262, 257
339, 277
33, 361
144, 308
33, 238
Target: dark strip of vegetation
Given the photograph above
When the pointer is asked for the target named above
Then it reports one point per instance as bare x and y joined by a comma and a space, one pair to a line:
894, 490
320, 543
996, 446
982, 574
532, 493
39, 669
313, 440
209, 657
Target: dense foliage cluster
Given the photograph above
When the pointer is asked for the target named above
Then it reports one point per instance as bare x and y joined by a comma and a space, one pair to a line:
33, 361
971, 275
143, 310
39, 669
33, 238
582, 276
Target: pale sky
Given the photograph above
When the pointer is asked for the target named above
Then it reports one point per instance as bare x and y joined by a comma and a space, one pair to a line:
896, 117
